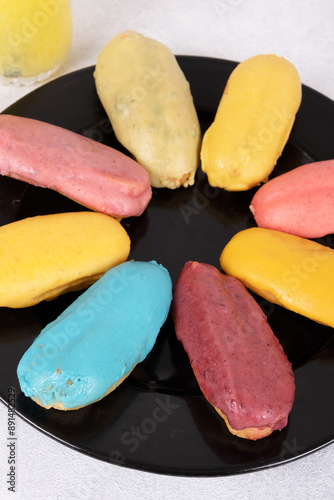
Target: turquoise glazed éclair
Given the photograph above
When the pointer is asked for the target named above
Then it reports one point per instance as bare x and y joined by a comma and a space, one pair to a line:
96, 342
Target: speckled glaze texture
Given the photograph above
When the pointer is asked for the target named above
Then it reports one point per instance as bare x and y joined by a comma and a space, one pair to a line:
238, 362
78, 358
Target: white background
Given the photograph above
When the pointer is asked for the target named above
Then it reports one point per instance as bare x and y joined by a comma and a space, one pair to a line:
301, 31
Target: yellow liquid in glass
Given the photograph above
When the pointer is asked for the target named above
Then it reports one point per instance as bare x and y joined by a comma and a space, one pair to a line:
35, 37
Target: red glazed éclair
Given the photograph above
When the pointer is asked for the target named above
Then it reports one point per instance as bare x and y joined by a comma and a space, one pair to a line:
238, 362
90, 173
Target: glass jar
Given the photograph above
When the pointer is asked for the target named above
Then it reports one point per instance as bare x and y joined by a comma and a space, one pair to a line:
35, 38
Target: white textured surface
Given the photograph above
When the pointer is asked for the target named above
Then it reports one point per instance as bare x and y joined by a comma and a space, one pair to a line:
230, 29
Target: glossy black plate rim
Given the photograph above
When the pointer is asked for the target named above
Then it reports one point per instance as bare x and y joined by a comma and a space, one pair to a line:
317, 145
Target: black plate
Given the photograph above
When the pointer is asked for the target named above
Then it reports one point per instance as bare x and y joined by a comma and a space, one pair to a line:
157, 420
